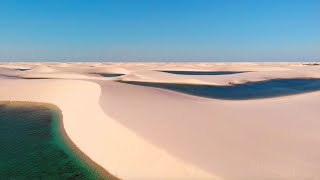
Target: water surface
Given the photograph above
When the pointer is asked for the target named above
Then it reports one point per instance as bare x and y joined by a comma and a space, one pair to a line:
22, 69
33, 145
250, 90
204, 72
109, 74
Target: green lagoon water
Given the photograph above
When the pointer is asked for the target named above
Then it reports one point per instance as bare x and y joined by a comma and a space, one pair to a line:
33, 146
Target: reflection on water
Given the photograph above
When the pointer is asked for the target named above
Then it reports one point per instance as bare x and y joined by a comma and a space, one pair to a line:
204, 72
33, 146
250, 90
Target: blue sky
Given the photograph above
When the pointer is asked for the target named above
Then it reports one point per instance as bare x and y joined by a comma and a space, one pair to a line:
159, 30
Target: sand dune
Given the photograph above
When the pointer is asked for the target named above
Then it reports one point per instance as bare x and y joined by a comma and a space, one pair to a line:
103, 139
273, 138
112, 70
137, 132
156, 76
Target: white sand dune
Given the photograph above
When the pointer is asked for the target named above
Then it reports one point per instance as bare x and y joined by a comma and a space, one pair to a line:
43, 69
137, 132
8, 72
275, 138
157, 76
56, 75
112, 70
101, 138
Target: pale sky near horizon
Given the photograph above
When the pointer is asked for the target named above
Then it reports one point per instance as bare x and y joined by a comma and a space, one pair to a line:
160, 30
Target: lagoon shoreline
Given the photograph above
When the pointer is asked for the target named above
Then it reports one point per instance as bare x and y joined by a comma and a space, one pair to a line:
74, 148
60, 138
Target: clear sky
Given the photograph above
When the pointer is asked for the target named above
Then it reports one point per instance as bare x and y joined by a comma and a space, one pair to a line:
159, 30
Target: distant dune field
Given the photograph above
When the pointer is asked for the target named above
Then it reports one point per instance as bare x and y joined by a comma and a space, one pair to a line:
182, 120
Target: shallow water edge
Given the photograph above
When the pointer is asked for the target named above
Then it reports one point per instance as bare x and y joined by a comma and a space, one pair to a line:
50, 146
